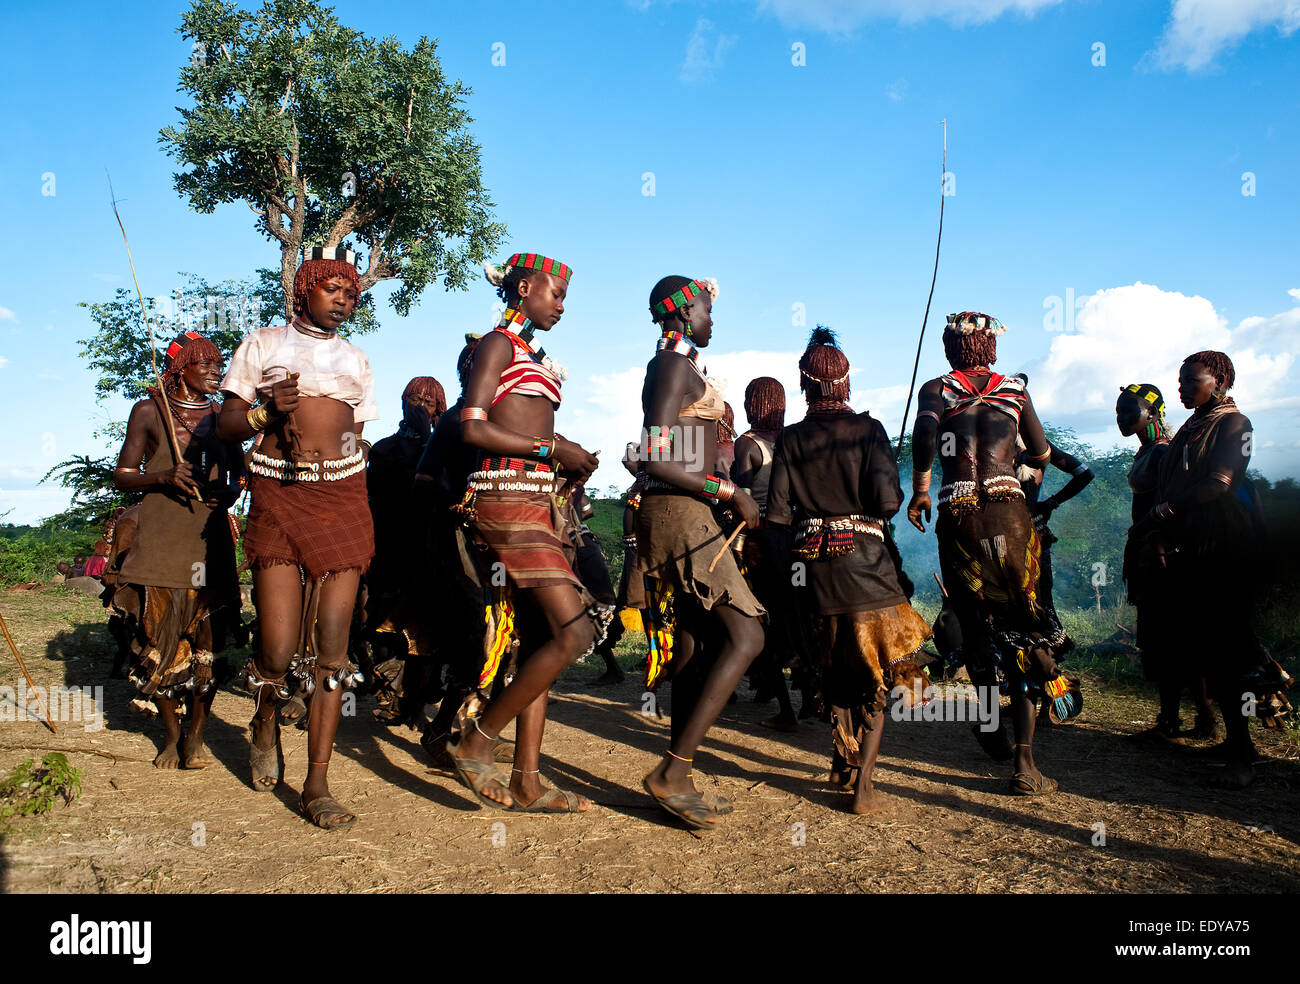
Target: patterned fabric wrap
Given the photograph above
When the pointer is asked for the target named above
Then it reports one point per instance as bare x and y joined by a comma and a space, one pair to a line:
660, 624
1004, 393
833, 536
322, 527
171, 636
519, 530
531, 372
992, 565
499, 616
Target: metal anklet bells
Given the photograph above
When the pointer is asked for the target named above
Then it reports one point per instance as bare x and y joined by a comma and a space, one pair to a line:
256, 681
303, 669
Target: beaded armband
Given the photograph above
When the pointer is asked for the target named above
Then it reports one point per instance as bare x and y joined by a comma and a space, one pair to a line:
542, 448
718, 489
472, 413
659, 440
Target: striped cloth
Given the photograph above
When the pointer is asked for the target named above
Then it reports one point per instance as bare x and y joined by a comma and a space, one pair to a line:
1004, 393
519, 531
527, 374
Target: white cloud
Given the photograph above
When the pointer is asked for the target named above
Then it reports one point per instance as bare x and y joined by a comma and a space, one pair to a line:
896, 90
1141, 333
7, 315
705, 52
3, 362
1199, 30
847, 15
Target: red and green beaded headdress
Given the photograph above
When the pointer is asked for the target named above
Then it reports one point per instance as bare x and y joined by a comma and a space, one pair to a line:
683, 295
536, 261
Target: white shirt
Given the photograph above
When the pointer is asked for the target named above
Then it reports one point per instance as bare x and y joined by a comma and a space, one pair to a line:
330, 367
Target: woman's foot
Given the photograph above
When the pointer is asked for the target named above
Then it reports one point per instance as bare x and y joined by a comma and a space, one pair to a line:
194, 754
264, 753
326, 812
867, 799
531, 795
168, 758
670, 786
473, 758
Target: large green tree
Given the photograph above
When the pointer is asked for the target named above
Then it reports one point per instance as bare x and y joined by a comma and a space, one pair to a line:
332, 138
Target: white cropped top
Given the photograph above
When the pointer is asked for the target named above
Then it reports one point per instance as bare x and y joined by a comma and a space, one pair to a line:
330, 367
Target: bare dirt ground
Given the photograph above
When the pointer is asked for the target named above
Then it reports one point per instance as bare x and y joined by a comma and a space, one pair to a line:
951, 826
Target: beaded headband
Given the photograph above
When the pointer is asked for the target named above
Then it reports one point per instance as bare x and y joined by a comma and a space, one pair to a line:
969, 322
531, 261
178, 345
329, 253
1147, 394
683, 295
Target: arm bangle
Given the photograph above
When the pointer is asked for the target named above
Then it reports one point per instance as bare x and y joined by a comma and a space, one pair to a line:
921, 482
472, 413
258, 418
542, 448
1164, 510
718, 489
129, 471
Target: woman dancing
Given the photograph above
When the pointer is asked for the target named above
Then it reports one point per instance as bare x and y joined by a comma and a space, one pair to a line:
508, 414
309, 534
834, 474
681, 548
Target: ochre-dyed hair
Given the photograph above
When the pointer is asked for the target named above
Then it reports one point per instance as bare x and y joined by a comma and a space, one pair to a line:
313, 272
101, 548
823, 362
192, 350
1217, 363
725, 439
426, 388
979, 348
765, 404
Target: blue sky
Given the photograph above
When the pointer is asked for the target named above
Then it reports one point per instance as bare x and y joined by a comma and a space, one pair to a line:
801, 187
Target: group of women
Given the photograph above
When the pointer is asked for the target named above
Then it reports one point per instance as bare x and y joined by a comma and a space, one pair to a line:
818, 494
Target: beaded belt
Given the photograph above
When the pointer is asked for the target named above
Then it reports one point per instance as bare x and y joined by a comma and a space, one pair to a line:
513, 465
832, 536
329, 470
539, 479
964, 496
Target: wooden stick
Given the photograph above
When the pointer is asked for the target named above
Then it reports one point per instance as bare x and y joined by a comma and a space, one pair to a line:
23, 666
940, 583
730, 540
153, 346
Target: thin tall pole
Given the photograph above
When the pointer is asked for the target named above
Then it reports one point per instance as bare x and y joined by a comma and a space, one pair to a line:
943, 174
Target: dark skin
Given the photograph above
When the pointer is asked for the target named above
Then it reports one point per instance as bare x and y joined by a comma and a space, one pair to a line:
323, 426
509, 430
1134, 416
145, 434
745, 468
1199, 390
989, 437
671, 385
